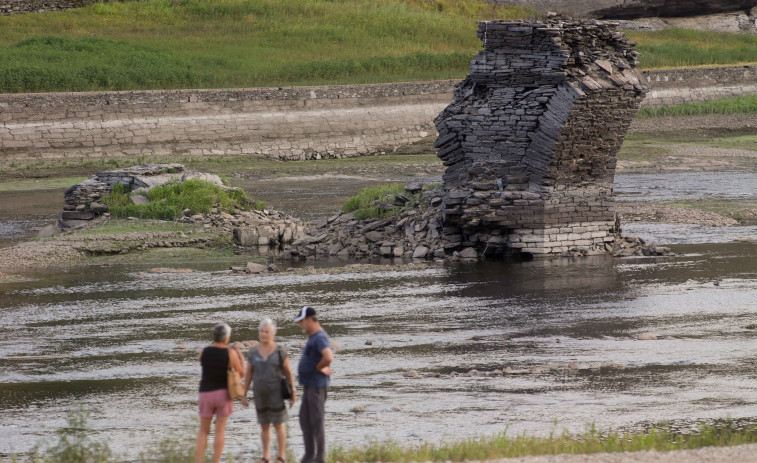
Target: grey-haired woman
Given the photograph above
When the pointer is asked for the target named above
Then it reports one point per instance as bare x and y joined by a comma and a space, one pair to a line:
267, 364
214, 394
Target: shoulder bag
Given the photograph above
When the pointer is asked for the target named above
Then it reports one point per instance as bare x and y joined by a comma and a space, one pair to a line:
286, 386
234, 381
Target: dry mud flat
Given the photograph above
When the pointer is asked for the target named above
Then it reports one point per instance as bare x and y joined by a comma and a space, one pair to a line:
737, 454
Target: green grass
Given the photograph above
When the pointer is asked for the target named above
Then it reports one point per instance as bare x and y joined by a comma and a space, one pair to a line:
241, 43
592, 441
159, 44
167, 202
746, 104
53, 183
376, 201
676, 47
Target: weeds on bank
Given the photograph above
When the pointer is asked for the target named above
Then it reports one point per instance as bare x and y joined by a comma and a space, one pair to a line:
675, 47
746, 104
168, 202
377, 201
591, 441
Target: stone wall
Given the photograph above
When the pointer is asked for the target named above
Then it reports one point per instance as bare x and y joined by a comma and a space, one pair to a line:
284, 123
531, 137
8, 7
280, 123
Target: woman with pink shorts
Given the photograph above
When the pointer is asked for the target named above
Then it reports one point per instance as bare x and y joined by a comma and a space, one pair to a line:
214, 395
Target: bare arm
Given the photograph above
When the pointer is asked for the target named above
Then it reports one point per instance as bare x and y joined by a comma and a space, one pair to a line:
288, 373
236, 360
247, 382
323, 365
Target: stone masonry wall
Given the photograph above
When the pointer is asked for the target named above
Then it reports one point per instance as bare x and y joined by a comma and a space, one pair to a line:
8, 7
280, 123
284, 123
531, 137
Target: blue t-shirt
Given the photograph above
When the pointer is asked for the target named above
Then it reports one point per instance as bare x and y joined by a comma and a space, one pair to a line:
311, 355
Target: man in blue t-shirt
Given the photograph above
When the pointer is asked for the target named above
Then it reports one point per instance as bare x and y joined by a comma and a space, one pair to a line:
314, 373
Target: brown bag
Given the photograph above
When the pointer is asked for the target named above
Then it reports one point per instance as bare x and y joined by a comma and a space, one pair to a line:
234, 381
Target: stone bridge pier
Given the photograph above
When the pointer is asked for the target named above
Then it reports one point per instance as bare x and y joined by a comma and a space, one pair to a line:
531, 137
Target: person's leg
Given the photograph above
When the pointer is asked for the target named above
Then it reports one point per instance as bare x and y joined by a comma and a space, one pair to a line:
307, 435
265, 437
220, 438
317, 422
281, 439
202, 438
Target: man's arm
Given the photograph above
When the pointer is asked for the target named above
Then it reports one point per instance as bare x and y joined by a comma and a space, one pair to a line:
326, 359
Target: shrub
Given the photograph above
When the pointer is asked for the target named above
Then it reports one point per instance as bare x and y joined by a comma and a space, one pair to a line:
74, 444
376, 201
118, 196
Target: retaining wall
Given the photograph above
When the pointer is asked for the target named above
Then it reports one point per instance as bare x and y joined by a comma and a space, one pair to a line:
8, 7
280, 123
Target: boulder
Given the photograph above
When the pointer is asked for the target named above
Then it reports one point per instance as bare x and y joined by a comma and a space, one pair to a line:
414, 187
245, 236
98, 208
420, 252
468, 253
255, 268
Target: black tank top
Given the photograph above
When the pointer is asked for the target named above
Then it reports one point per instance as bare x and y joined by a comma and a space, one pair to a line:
215, 363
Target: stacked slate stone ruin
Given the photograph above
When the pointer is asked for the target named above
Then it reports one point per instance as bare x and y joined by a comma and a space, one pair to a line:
531, 137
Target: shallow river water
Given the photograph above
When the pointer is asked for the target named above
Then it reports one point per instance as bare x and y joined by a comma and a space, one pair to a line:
104, 338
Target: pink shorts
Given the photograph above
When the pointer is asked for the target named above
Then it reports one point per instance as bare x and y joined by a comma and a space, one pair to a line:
215, 402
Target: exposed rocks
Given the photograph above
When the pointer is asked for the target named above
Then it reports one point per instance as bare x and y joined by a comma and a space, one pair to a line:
81, 201
413, 234
9, 7
258, 228
254, 268
530, 140
266, 228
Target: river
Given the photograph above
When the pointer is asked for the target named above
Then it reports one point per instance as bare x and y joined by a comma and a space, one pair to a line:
105, 338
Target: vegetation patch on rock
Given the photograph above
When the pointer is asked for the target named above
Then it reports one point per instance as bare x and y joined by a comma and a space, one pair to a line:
383, 200
171, 201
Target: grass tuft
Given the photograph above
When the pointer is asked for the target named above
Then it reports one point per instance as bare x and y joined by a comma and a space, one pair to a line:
374, 202
167, 202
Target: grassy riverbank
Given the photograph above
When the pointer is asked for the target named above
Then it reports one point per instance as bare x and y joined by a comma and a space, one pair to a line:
160, 44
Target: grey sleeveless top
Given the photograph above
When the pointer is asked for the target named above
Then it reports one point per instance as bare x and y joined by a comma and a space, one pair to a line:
266, 380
